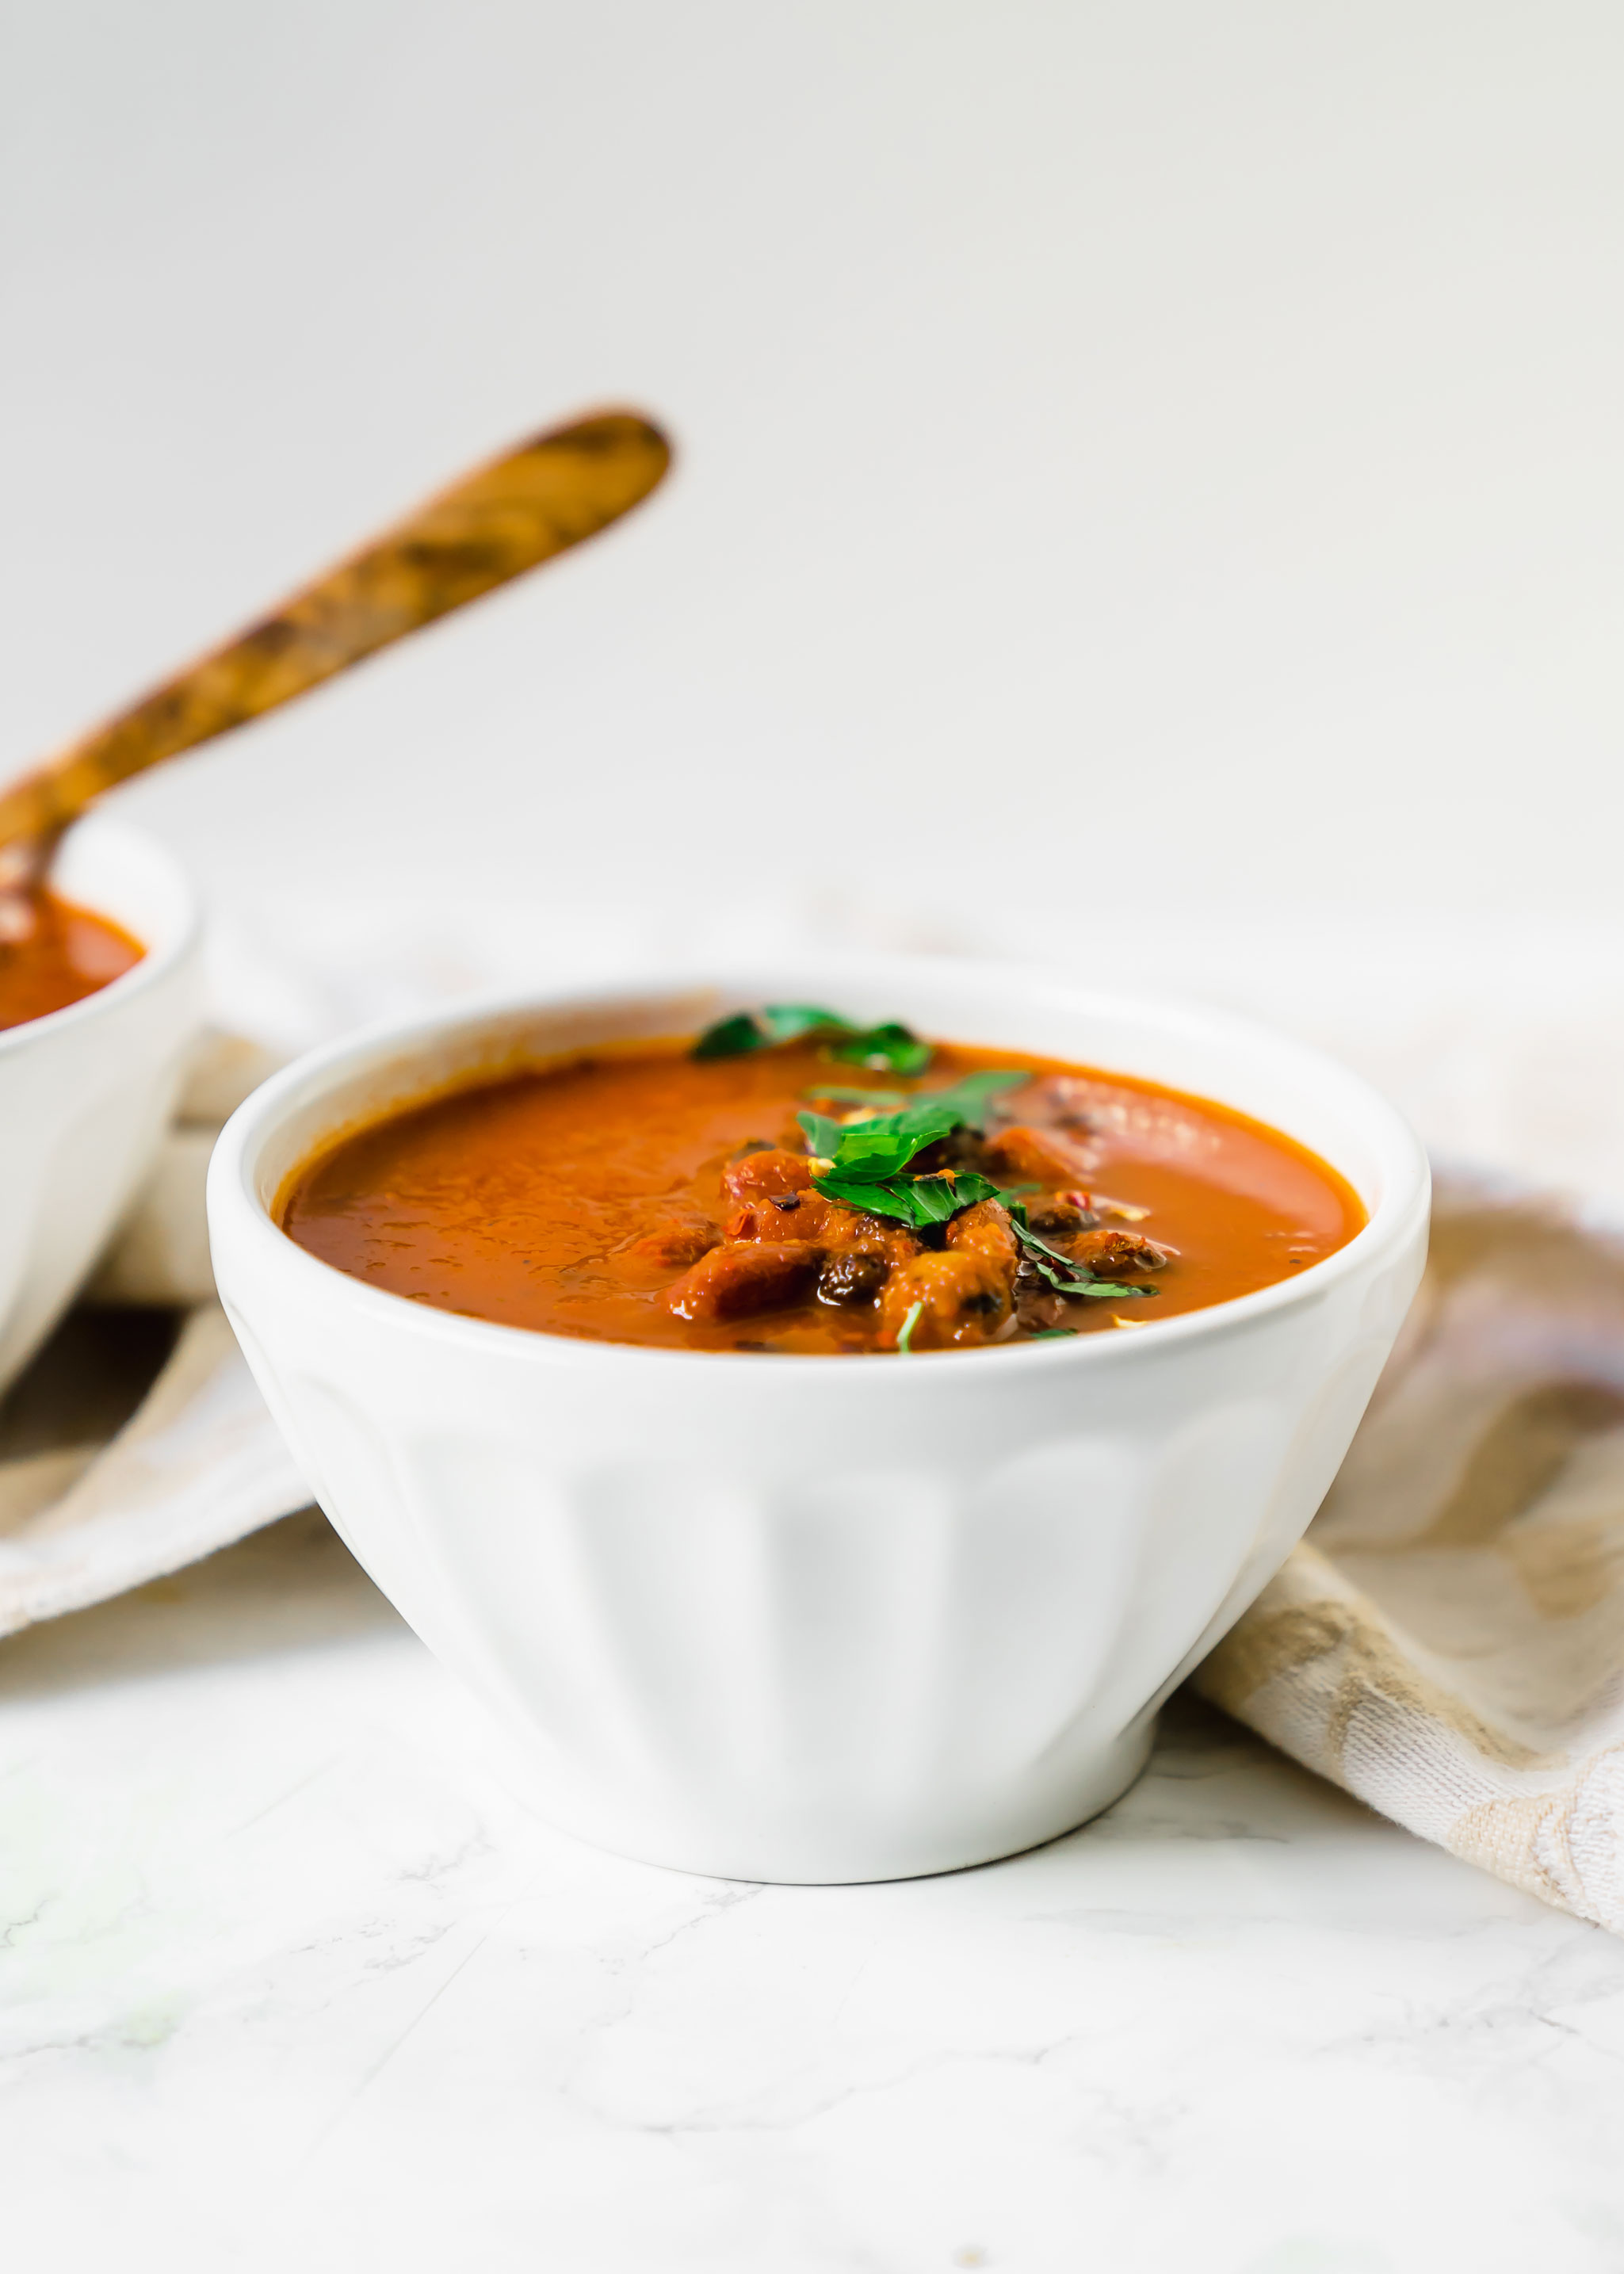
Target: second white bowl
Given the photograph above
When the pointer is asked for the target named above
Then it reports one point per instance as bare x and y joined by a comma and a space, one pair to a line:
86, 1092
823, 1619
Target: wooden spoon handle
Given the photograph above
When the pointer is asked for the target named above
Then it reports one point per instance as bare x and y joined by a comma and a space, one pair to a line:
505, 517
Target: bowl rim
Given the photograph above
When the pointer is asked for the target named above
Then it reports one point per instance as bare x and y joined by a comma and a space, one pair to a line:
234, 1201
121, 843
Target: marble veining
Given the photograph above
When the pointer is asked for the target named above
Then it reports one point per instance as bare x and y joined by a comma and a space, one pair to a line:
287, 1978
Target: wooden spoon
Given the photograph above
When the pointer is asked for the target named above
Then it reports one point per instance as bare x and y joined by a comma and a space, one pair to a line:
507, 517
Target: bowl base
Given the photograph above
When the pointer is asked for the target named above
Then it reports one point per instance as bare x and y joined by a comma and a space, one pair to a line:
826, 1854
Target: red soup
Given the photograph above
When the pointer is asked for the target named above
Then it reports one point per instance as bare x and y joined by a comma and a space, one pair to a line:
819, 1196
69, 954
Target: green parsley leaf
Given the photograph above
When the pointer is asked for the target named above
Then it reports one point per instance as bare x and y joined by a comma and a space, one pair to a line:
912, 1201
892, 1048
871, 1154
922, 1119
730, 1038
935, 1199
881, 1144
787, 1023
822, 1134
970, 1098
1052, 1334
760, 1030
1063, 1272
868, 1157
1038, 1248
904, 1340
879, 1199
1062, 1284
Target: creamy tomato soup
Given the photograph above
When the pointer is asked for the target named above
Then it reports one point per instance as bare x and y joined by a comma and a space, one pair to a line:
69, 954
817, 1196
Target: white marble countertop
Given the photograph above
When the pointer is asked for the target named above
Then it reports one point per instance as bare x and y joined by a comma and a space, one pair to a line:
290, 1981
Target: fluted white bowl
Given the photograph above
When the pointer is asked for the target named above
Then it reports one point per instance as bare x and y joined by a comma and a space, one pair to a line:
821, 1618
86, 1092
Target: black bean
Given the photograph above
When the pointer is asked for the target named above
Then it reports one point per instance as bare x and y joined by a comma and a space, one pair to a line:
850, 1276
1053, 1215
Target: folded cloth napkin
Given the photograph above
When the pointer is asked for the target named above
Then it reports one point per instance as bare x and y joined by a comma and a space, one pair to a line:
137, 1442
1449, 1643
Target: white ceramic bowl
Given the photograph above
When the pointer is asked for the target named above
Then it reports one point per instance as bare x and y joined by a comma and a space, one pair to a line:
84, 1093
820, 1618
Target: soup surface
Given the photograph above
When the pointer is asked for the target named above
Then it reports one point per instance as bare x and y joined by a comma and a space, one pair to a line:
70, 955
754, 1203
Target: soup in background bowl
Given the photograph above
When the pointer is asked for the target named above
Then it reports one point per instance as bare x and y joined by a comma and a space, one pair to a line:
113, 992
69, 953
820, 1616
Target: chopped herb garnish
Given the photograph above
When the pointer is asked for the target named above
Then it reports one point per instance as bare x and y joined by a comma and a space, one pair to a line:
880, 1144
878, 1200
822, 1134
1063, 1272
868, 1161
1037, 1249
868, 1157
729, 1038
889, 1047
1052, 1334
892, 1048
913, 1200
761, 1030
970, 1098
935, 1199
863, 1162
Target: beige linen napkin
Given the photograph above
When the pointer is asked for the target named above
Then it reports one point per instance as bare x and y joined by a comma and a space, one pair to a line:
137, 1442
1448, 1644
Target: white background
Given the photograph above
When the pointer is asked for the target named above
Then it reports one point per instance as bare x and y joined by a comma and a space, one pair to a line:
1151, 488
